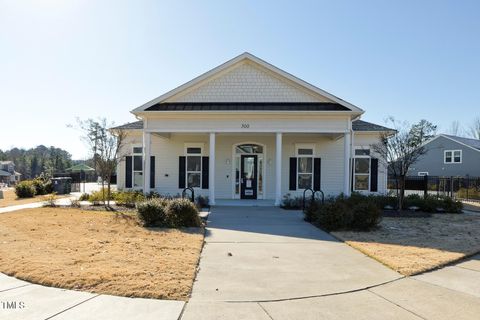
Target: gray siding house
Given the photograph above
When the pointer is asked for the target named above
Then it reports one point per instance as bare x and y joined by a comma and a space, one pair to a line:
449, 156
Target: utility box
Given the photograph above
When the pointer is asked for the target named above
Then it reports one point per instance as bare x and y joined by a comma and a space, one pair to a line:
62, 185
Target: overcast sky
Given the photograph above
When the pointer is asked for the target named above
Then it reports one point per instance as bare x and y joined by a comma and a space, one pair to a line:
65, 59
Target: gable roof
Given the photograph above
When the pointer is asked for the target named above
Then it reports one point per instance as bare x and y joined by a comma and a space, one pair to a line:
360, 125
473, 143
251, 58
137, 125
467, 142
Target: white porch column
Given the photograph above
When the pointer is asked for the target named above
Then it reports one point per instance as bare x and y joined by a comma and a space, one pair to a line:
146, 161
211, 171
278, 169
346, 168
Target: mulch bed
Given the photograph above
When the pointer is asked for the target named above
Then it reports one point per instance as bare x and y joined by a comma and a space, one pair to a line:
406, 214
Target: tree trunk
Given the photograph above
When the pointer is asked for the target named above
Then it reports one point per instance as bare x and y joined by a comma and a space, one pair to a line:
402, 193
108, 191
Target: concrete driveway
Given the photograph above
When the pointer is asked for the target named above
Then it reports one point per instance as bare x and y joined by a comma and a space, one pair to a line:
267, 263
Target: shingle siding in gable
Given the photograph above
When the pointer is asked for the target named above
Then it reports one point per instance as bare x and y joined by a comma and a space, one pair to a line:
433, 161
247, 83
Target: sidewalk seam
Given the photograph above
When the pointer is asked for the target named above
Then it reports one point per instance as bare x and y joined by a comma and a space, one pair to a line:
401, 307
69, 308
265, 310
23, 285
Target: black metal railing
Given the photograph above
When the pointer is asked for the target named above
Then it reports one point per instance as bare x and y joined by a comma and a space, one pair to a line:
192, 193
313, 194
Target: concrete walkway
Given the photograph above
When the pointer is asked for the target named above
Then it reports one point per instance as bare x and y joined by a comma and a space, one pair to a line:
267, 263
24, 301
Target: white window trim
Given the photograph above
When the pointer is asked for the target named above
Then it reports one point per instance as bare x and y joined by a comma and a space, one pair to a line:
193, 145
362, 174
298, 156
133, 165
452, 157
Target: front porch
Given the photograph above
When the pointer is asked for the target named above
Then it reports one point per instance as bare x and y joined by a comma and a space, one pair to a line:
254, 168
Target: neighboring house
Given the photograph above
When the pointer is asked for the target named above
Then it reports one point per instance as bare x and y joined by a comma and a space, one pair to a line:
448, 156
248, 130
8, 175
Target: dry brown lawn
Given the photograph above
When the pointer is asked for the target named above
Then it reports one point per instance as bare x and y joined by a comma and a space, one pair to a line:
10, 199
414, 245
98, 251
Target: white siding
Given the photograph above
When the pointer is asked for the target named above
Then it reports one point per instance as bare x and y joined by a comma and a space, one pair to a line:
247, 82
367, 140
167, 151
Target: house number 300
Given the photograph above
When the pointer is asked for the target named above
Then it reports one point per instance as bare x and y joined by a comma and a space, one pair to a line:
245, 125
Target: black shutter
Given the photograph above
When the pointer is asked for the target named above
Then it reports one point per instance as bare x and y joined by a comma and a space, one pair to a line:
205, 172
374, 175
293, 174
317, 169
181, 172
128, 171
152, 172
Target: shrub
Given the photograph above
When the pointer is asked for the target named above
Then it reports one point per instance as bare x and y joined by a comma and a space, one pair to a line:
50, 200
25, 189
152, 212
333, 215
39, 186
451, 206
128, 198
310, 211
181, 213
413, 200
84, 197
366, 215
290, 202
202, 202
97, 196
153, 194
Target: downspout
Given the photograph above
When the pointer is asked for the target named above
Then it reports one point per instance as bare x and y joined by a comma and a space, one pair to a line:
352, 150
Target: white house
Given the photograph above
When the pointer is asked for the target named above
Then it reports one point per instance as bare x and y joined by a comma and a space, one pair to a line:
248, 130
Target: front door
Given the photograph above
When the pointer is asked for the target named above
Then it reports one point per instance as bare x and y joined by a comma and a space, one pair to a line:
248, 177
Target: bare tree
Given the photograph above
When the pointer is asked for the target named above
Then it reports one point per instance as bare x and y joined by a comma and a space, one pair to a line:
455, 128
474, 131
105, 144
401, 150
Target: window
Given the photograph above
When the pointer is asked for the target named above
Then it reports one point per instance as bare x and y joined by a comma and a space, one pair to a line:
137, 167
194, 166
304, 155
361, 174
423, 173
453, 156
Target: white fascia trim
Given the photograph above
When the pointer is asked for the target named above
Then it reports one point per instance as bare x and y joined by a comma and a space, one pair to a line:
251, 57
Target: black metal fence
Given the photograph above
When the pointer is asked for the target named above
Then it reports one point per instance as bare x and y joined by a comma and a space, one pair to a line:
467, 188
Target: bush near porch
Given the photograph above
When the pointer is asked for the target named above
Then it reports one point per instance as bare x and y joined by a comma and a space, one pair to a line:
168, 213
364, 213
